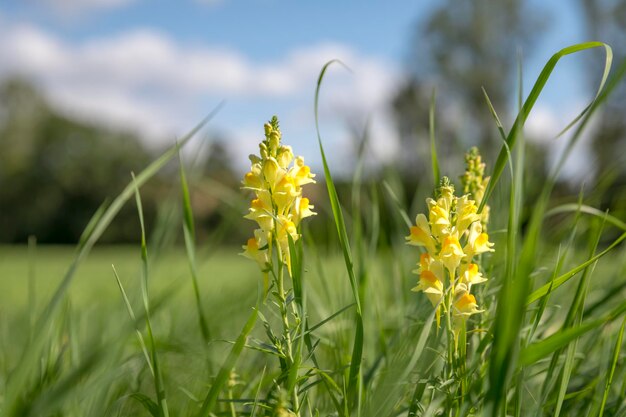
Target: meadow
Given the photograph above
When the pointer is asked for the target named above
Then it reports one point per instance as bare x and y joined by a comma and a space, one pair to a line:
521, 313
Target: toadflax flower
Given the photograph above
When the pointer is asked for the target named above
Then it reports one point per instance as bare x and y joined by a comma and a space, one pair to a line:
276, 177
452, 235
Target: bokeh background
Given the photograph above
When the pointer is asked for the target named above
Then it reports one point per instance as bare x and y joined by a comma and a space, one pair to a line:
91, 90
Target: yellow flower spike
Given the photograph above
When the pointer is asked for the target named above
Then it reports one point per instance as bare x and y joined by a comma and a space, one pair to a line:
451, 219
276, 178
420, 234
451, 254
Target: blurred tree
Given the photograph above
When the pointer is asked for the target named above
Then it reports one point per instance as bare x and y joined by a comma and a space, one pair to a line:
55, 172
606, 21
459, 48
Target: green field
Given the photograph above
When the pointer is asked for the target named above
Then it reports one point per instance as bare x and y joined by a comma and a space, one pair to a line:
518, 305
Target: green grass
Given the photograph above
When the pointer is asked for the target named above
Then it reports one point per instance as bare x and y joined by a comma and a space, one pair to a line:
175, 331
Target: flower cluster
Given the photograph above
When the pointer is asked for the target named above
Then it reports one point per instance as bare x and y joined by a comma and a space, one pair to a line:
474, 182
276, 177
452, 236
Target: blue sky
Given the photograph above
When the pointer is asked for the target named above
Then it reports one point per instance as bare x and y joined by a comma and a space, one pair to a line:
158, 66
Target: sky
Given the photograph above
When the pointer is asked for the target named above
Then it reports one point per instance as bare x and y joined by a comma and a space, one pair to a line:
158, 67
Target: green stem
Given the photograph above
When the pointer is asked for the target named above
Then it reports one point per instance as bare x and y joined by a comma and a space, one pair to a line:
286, 326
233, 412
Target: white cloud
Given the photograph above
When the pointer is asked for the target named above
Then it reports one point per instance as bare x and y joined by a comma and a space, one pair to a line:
146, 81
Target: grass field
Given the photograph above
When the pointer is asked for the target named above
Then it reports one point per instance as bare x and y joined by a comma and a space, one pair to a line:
525, 320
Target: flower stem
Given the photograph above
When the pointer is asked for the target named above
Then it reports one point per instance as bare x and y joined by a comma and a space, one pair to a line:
286, 326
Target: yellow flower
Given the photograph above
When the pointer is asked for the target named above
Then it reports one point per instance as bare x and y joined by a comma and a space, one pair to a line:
439, 218
285, 193
420, 234
301, 172
477, 241
252, 249
261, 211
431, 277
272, 172
465, 305
302, 208
471, 276
445, 194
254, 179
451, 254
284, 156
465, 213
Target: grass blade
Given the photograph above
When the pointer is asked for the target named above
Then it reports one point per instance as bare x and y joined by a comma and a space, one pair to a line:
354, 379
228, 365
532, 98
131, 313
611, 373
433, 148
562, 279
158, 377
190, 246
538, 350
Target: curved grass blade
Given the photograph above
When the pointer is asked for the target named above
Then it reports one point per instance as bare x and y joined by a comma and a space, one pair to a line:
574, 207
354, 379
562, 279
532, 98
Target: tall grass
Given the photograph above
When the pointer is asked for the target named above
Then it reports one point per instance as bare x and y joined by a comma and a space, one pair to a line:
550, 341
